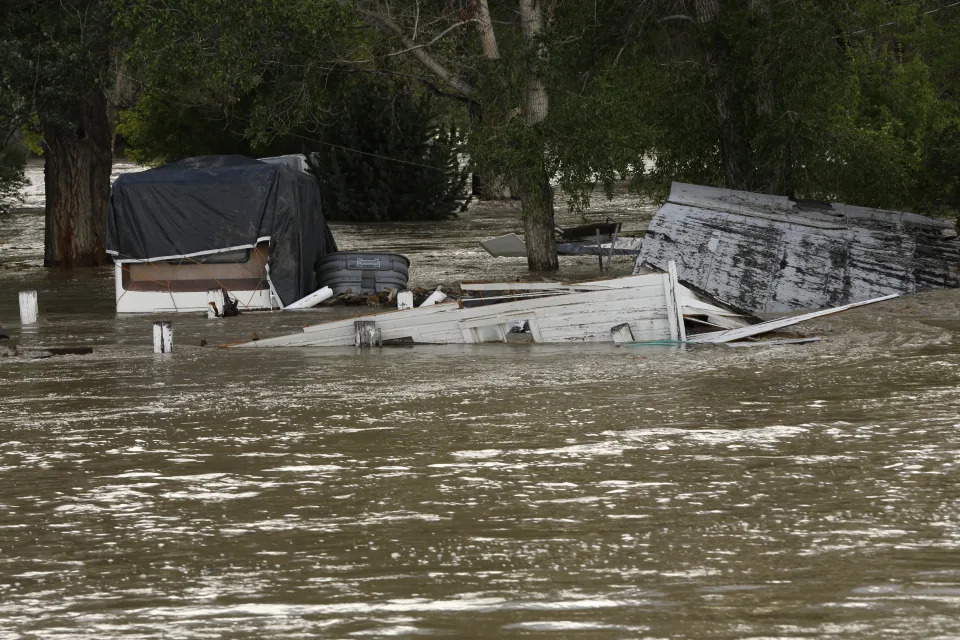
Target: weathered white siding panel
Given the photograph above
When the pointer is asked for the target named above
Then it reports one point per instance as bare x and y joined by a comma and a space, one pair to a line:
575, 316
764, 253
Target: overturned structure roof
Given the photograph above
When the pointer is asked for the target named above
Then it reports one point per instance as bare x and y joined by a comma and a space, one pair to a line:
761, 253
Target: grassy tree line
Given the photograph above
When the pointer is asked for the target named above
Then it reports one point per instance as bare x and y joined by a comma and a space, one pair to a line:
855, 101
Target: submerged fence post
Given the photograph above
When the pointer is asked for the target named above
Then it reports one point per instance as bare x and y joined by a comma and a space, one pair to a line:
599, 251
405, 300
215, 303
28, 307
367, 334
163, 337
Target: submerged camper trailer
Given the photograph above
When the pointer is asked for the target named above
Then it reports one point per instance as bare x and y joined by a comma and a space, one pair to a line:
251, 227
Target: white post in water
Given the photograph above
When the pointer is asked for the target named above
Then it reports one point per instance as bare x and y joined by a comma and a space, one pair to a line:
215, 302
163, 337
366, 334
435, 297
28, 307
405, 300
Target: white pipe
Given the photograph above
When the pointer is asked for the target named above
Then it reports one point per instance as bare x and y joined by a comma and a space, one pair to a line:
28, 307
311, 300
435, 297
163, 337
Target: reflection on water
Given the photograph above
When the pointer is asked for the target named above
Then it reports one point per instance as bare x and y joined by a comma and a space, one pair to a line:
473, 491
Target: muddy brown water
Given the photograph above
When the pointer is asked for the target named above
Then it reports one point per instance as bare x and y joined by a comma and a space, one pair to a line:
494, 491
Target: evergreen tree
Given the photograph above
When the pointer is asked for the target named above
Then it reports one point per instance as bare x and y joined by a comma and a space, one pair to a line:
385, 158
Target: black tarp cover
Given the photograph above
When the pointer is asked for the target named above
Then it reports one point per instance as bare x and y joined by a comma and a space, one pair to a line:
206, 204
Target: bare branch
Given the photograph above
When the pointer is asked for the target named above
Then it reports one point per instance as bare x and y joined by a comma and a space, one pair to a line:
416, 21
460, 85
437, 37
678, 16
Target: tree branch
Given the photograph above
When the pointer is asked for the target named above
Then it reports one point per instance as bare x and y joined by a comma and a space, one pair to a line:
461, 86
437, 37
678, 16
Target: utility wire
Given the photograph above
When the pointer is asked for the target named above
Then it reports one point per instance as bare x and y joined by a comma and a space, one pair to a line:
296, 135
888, 24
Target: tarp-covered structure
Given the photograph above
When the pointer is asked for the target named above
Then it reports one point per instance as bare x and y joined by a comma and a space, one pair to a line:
209, 204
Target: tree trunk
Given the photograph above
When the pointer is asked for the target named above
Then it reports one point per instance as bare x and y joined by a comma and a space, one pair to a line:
536, 199
721, 72
77, 181
734, 146
536, 195
488, 37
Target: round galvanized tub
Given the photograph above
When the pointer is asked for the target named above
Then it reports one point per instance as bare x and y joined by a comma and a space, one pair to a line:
362, 272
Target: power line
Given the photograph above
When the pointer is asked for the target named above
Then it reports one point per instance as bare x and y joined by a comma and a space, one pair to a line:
297, 135
888, 24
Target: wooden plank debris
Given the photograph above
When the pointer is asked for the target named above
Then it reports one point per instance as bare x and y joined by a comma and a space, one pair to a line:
434, 298
651, 308
772, 343
513, 246
741, 333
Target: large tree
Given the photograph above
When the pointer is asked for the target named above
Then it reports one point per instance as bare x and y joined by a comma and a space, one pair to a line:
62, 69
510, 70
500, 64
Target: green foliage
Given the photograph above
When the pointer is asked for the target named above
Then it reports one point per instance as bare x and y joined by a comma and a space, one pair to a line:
260, 68
159, 130
53, 53
846, 101
263, 77
384, 158
14, 111
856, 101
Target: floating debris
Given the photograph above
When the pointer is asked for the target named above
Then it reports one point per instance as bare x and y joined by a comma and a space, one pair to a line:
770, 254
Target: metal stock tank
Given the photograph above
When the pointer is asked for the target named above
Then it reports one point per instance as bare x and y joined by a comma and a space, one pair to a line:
362, 272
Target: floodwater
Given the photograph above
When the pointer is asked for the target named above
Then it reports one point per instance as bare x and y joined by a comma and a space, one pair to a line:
493, 491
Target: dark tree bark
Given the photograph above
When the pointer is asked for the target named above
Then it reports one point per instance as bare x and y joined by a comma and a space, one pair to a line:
77, 181
536, 201
721, 72
536, 195
734, 145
